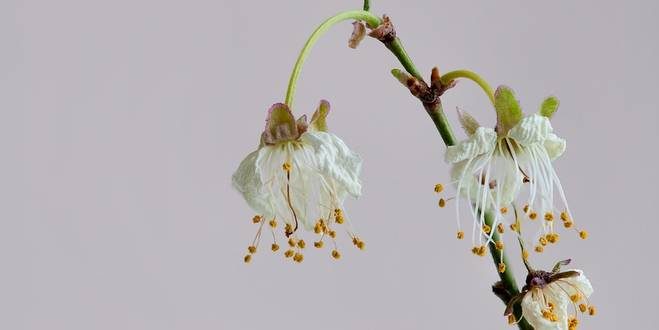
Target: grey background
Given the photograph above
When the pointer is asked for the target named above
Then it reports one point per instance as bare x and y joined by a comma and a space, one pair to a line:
122, 121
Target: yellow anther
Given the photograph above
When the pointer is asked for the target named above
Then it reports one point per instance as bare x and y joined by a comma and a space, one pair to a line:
301, 244
339, 219
274, 247
442, 202
565, 216
526, 208
487, 229
257, 219
503, 210
289, 253
525, 254
500, 228
549, 216
583, 308
543, 241
273, 223
575, 297
287, 166
461, 234
336, 254
550, 305
292, 242
592, 311
332, 234
568, 224
553, 238
482, 251
583, 234
317, 229
439, 188
247, 258
361, 245
539, 248
318, 244
533, 215
502, 267
298, 257
511, 319
474, 250
499, 245
251, 249
513, 227
288, 228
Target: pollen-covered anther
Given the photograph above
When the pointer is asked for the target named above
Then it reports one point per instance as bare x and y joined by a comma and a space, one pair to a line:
513, 227
500, 228
553, 238
301, 244
336, 254
503, 210
499, 245
289, 253
358, 243
460, 234
287, 166
251, 249
288, 229
318, 244
539, 248
487, 229
549, 216
292, 242
442, 202
331, 234
273, 223
257, 219
247, 258
592, 310
565, 216
274, 247
568, 224
583, 234
439, 188
583, 308
482, 251
338, 216
298, 257
501, 267
542, 241
575, 297
525, 254
526, 208
533, 215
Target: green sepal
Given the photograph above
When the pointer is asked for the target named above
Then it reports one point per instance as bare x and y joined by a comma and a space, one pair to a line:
549, 106
509, 113
318, 120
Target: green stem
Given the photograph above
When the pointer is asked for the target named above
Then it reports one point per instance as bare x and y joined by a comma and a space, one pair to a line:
446, 78
370, 19
396, 47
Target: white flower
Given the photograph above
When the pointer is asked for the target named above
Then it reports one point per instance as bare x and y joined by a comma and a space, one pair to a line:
493, 167
554, 300
299, 175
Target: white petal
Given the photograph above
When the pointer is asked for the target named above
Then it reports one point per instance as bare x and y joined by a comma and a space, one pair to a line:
247, 180
577, 284
554, 145
482, 141
532, 310
531, 129
334, 160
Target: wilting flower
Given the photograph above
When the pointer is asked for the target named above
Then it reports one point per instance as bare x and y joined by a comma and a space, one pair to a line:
492, 166
299, 176
553, 300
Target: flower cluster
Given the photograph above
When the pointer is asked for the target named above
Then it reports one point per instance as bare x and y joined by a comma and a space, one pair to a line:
299, 176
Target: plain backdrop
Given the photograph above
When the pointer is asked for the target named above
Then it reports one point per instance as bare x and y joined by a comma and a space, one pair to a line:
121, 123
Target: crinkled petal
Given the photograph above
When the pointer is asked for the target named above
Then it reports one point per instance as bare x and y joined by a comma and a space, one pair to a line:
533, 305
247, 180
482, 141
335, 160
530, 130
554, 145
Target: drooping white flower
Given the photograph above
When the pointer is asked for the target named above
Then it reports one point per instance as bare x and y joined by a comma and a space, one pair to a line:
495, 169
554, 300
300, 175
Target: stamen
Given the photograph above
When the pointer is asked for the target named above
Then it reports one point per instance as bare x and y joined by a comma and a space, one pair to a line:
500, 228
273, 223
511, 319
298, 257
247, 258
442, 202
503, 210
251, 249
274, 247
543, 241
439, 188
289, 253
499, 245
301, 244
318, 244
487, 229
533, 215
257, 219
287, 167
460, 234
583, 234
502, 267
338, 216
583, 308
592, 311
539, 248
336, 254
549, 216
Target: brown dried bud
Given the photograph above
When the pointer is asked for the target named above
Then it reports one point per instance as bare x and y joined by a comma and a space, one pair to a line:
358, 34
385, 32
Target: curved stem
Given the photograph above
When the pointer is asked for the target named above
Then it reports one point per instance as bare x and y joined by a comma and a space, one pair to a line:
448, 77
370, 19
